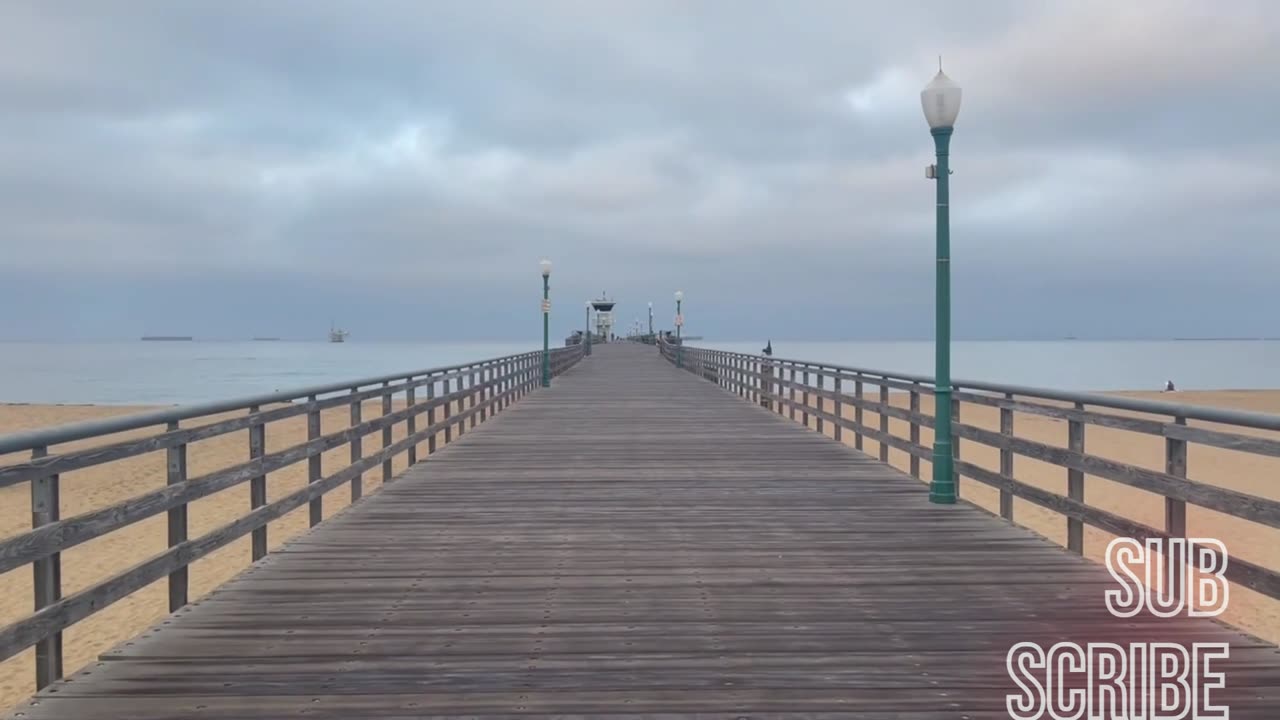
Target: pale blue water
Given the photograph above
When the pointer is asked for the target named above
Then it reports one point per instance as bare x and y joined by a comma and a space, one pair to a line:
161, 373
1079, 365
166, 373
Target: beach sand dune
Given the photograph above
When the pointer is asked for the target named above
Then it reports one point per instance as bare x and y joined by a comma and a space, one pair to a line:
99, 487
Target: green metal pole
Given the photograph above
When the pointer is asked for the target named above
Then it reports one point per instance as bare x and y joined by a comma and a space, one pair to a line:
943, 488
679, 345
588, 329
546, 332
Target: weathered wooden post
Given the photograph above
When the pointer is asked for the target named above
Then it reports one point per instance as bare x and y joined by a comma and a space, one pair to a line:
791, 390
884, 420
837, 430
805, 398
258, 483
766, 384
46, 572
915, 428
821, 377
431, 416
386, 431
955, 445
1175, 464
463, 391
1006, 457
1075, 482
1175, 510
857, 413
505, 386
473, 390
447, 397
496, 379
411, 422
313, 461
357, 445
757, 379
177, 519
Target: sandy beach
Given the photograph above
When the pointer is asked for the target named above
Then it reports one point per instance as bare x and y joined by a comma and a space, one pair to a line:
102, 486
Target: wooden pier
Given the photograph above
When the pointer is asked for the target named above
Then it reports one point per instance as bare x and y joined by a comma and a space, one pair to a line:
632, 542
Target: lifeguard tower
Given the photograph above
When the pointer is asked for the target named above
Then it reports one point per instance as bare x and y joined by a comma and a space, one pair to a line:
604, 317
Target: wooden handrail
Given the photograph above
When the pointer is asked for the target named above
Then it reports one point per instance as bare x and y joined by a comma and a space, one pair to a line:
491, 385
788, 387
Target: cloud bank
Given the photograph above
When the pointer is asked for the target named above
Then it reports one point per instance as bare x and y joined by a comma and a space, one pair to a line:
238, 168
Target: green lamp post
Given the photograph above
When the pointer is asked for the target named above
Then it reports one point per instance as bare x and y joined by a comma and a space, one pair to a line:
546, 322
650, 321
941, 103
587, 340
679, 324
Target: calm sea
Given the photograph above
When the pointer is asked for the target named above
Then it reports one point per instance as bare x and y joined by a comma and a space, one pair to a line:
161, 373
1066, 365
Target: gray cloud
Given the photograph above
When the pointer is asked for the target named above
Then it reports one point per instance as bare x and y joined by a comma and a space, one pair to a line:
1113, 161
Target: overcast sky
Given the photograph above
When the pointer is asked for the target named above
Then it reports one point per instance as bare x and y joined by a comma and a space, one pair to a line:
239, 168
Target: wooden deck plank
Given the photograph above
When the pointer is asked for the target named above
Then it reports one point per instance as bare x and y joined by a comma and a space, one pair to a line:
633, 542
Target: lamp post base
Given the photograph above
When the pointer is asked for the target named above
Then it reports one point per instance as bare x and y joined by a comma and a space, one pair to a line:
942, 493
942, 490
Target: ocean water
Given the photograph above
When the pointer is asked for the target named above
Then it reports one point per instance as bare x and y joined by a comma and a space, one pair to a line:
1078, 365
171, 373
164, 373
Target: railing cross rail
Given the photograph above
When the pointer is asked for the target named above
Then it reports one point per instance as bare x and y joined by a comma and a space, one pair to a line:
483, 388
785, 386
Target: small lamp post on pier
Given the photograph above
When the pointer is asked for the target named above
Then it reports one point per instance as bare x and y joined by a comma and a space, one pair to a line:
587, 339
546, 322
941, 103
679, 324
650, 320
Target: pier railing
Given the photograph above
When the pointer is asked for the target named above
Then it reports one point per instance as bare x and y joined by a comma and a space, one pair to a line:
834, 399
453, 399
